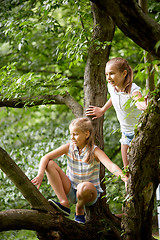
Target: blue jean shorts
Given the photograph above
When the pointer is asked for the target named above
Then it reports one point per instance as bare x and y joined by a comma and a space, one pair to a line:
127, 138
72, 197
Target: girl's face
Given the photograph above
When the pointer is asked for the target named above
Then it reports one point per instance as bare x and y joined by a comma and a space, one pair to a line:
114, 76
78, 137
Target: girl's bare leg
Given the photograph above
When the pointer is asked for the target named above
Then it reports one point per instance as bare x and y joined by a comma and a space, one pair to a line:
59, 182
124, 148
86, 192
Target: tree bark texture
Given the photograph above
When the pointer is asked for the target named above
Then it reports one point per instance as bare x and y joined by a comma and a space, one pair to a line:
134, 23
95, 89
150, 85
144, 174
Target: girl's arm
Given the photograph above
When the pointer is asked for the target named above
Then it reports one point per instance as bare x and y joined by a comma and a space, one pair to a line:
44, 161
113, 168
98, 111
140, 105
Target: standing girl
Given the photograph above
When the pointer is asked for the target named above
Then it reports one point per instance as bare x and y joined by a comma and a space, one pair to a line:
81, 184
120, 76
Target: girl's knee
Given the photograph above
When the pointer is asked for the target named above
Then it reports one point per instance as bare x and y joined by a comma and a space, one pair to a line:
86, 190
82, 188
51, 165
85, 186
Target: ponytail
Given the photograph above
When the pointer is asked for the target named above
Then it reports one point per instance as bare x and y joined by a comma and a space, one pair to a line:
128, 80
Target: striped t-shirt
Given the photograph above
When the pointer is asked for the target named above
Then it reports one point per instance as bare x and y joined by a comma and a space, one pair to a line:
80, 171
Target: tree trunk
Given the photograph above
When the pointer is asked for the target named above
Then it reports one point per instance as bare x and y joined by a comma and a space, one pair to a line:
148, 58
150, 85
144, 175
95, 89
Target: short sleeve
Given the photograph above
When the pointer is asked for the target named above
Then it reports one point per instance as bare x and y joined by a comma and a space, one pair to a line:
135, 88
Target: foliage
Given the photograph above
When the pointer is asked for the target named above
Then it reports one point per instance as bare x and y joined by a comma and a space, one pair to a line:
115, 193
14, 85
154, 10
35, 35
18, 235
28, 134
43, 49
142, 70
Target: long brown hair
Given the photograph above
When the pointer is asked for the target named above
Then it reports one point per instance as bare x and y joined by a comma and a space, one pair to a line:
122, 64
84, 124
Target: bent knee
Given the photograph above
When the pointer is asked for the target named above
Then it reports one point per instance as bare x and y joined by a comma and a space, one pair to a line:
51, 164
86, 189
85, 186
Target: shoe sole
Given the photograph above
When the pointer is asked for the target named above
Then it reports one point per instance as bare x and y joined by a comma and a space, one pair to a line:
80, 222
57, 207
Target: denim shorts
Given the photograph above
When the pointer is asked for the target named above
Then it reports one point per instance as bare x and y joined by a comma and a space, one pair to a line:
127, 138
72, 197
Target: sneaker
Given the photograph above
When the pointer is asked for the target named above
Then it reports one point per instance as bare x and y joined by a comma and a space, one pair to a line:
80, 219
60, 207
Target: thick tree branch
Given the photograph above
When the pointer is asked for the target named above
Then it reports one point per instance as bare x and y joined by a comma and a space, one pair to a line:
66, 99
17, 219
49, 224
21, 181
133, 22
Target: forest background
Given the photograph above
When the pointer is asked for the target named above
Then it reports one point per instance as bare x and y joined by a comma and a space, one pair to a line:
43, 50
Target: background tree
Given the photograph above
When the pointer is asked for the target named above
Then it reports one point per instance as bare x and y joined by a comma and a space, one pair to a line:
45, 70
148, 58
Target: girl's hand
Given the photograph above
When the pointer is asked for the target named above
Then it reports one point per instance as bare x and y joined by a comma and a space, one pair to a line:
37, 181
94, 111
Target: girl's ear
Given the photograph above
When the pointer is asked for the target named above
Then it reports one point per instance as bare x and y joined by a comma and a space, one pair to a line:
87, 134
125, 73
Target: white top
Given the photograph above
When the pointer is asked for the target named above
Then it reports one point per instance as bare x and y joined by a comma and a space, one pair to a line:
127, 112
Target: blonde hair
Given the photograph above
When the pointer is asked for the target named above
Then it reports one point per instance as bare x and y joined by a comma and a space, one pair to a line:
122, 64
84, 124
